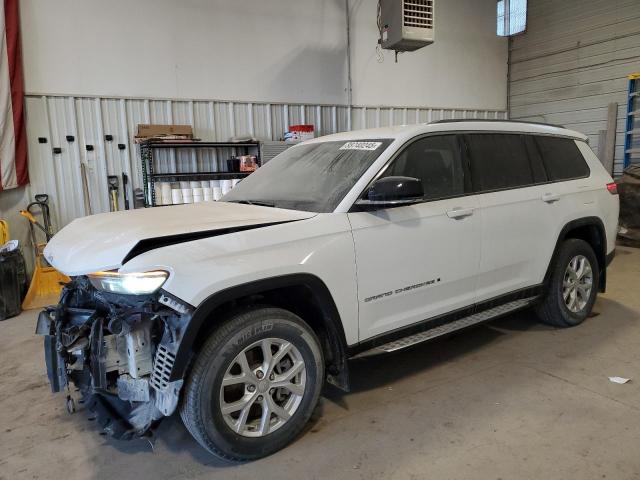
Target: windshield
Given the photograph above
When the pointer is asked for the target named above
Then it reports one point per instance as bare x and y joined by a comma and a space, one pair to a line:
313, 177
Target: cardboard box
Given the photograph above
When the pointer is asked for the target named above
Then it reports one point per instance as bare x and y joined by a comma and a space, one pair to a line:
150, 131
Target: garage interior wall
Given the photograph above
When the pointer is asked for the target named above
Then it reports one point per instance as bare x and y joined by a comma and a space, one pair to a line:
572, 62
229, 68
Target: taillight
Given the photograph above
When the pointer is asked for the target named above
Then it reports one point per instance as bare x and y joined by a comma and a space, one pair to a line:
613, 188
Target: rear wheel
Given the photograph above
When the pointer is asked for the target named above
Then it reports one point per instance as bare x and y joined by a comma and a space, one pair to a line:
573, 285
254, 384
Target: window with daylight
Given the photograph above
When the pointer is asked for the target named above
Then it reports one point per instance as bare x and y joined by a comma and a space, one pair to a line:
512, 17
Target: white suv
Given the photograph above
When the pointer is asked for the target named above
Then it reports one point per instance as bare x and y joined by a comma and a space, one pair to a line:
236, 312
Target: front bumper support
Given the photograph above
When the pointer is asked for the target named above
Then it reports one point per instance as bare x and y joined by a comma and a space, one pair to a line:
107, 346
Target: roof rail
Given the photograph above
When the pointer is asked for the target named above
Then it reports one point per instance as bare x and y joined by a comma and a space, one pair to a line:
458, 120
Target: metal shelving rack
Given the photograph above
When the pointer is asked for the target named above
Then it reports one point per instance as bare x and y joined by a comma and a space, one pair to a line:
632, 131
149, 175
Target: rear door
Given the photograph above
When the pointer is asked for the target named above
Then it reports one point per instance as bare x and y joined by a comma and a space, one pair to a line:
569, 171
518, 210
419, 261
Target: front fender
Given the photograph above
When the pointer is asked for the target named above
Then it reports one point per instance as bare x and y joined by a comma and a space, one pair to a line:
321, 246
203, 314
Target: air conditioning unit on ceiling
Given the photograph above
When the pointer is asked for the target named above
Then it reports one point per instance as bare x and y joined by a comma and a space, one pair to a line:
406, 25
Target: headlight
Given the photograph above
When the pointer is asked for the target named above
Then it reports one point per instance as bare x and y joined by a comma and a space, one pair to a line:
138, 283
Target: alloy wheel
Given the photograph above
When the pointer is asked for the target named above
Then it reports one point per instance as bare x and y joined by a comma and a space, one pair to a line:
577, 283
262, 387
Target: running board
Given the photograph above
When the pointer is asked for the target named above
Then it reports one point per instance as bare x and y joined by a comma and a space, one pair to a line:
447, 328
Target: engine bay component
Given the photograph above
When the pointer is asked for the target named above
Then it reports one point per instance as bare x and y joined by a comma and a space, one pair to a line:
129, 353
118, 351
132, 389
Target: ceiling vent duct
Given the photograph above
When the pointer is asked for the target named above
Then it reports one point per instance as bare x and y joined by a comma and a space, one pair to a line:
406, 25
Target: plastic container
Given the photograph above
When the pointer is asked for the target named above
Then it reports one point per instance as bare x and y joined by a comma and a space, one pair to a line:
226, 185
299, 133
233, 164
13, 281
176, 196
165, 189
187, 195
158, 192
248, 163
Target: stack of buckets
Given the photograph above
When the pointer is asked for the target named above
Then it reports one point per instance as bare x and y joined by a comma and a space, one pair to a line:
176, 193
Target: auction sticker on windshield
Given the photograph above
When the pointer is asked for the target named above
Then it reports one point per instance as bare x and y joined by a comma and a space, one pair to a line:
361, 146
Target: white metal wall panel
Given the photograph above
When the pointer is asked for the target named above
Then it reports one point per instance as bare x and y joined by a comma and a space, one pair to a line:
572, 62
65, 166
89, 120
90, 133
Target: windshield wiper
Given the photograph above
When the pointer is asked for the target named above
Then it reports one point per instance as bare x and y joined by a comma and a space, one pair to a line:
253, 202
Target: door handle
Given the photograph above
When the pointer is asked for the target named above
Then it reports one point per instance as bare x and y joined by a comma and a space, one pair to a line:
460, 212
550, 197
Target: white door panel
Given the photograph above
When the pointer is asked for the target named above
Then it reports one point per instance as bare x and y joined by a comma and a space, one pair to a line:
415, 262
519, 231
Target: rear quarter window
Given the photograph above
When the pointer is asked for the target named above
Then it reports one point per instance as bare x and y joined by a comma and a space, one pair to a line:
562, 158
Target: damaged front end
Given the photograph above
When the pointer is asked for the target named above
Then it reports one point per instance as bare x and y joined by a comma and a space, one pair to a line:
118, 350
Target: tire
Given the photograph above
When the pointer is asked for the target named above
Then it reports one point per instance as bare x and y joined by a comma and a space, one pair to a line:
225, 435
554, 310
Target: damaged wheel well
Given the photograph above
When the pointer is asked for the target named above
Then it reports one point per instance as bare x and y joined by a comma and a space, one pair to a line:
305, 295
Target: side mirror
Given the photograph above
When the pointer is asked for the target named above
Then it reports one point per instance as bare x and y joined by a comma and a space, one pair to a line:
393, 192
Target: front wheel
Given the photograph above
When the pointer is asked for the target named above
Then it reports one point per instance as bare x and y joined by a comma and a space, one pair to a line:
254, 384
573, 285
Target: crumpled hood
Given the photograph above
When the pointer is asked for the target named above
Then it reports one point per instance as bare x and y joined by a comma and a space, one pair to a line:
103, 241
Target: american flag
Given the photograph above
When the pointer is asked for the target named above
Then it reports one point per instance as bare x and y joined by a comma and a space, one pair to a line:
13, 138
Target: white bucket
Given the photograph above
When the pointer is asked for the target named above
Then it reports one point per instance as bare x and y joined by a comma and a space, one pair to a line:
226, 186
165, 189
176, 196
187, 195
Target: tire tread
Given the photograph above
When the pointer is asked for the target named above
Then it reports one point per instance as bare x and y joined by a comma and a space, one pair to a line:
189, 407
548, 310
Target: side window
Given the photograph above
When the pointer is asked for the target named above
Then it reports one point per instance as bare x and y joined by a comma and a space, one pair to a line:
562, 158
436, 161
499, 161
537, 165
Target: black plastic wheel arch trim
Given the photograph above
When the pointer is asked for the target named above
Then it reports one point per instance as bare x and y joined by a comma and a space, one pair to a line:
610, 256
203, 313
601, 255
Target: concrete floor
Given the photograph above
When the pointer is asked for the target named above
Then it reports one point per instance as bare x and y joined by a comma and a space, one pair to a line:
511, 400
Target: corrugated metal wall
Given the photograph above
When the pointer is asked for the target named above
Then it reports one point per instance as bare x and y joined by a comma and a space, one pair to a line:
573, 61
90, 120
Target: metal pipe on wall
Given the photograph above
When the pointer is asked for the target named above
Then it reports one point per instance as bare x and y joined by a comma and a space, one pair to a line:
349, 92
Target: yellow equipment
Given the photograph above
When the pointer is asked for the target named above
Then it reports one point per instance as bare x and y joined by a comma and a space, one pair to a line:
46, 283
4, 232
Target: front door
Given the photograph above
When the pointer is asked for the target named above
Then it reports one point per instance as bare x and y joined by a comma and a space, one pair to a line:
419, 261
